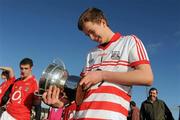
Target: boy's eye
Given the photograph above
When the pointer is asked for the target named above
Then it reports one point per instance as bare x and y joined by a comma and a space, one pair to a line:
24, 68
91, 32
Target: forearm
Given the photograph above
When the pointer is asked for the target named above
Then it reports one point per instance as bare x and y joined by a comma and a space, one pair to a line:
140, 76
142, 114
38, 111
58, 104
11, 72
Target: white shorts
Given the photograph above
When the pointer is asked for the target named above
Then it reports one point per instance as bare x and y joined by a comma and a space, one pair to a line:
6, 116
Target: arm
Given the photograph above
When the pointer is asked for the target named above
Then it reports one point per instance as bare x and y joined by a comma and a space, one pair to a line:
37, 105
36, 102
11, 72
168, 113
142, 75
142, 112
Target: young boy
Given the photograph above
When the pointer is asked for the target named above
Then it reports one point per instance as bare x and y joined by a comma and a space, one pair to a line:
117, 63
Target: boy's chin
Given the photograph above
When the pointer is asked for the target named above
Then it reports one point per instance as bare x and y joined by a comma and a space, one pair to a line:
23, 77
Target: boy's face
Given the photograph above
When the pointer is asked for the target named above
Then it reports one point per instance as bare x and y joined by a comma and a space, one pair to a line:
26, 70
96, 31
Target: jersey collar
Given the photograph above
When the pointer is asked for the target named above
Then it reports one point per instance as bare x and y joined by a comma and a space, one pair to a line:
114, 38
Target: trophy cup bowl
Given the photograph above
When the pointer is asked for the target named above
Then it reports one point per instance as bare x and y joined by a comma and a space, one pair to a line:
57, 75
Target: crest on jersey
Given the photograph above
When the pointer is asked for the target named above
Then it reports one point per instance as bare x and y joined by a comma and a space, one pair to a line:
27, 88
115, 55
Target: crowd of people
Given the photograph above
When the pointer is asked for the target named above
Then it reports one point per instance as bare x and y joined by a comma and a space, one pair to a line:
104, 91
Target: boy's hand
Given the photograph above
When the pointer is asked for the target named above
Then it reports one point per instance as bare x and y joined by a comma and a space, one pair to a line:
53, 97
91, 78
11, 72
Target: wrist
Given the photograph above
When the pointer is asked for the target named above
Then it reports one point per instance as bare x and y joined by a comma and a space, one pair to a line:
59, 104
102, 75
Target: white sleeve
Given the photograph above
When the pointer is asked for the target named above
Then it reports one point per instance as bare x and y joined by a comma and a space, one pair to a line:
137, 52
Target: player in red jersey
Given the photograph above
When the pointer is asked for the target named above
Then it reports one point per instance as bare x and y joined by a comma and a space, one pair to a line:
8, 76
22, 96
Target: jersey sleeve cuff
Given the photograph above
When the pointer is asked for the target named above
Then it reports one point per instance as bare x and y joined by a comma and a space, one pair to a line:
133, 64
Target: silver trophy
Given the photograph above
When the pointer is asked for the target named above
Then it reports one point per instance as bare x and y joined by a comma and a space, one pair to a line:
56, 74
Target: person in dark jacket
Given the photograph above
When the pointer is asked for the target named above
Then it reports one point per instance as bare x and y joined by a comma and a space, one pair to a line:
154, 108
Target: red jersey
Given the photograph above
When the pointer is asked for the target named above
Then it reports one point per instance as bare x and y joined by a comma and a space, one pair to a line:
69, 112
21, 98
4, 86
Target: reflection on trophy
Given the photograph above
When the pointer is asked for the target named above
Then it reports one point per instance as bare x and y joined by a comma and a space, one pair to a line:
56, 74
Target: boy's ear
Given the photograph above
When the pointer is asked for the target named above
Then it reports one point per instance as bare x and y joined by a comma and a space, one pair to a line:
103, 22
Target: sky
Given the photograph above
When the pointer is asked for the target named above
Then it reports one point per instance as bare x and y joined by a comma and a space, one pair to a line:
47, 29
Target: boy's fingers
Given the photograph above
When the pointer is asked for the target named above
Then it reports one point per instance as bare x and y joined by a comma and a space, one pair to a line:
53, 92
49, 93
83, 81
87, 86
44, 96
57, 92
